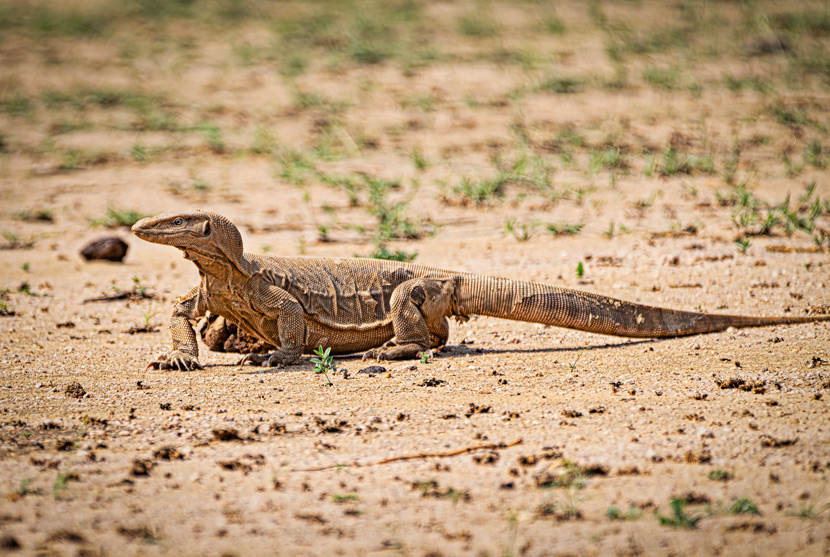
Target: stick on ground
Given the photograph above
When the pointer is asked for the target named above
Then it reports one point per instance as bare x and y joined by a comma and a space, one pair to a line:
488, 446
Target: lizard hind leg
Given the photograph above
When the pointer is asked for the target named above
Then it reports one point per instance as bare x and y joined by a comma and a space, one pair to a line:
419, 310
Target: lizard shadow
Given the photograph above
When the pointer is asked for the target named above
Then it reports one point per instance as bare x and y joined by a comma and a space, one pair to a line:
301, 366
467, 351
450, 351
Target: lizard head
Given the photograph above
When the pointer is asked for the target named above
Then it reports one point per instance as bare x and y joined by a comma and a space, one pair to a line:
197, 233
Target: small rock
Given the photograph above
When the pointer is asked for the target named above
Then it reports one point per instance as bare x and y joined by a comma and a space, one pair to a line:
9, 542
372, 370
75, 390
109, 248
140, 468
226, 434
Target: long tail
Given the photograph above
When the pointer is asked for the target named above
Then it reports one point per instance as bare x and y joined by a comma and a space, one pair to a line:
540, 303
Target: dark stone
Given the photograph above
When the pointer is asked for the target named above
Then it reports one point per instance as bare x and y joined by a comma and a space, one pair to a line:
110, 248
372, 370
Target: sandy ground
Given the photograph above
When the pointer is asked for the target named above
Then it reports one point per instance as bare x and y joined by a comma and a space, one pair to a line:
564, 427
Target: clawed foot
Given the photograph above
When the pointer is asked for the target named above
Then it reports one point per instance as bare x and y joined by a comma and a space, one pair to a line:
395, 352
255, 360
177, 360
275, 359
374, 354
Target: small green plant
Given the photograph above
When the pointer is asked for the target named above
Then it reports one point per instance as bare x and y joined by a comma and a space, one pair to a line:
719, 475
560, 85
139, 153
295, 167
742, 244
26, 288
662, 78
679, 518
522, 231
815, 155
148, 315
580, 269
383, 252
25, 266
344, 497
426, 356
564, 228
611, 158
418, 160
213, 136
35, 215
264, 142
118, 217
23, 489
743, 506
324, 363
139, 288
476, 25
479, 192
789, 116
572, 365
199, 184
392, 219
568, 475
61, 482
793, 168
554, 25
809, 512
17, 105
736, 84
614, 513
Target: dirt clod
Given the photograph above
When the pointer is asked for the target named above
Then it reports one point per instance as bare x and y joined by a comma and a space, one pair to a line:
75, 390
770, 441
9, 543
167, 453
141, 468
226, 434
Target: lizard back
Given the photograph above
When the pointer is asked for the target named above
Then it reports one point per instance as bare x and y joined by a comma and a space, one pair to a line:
341, 292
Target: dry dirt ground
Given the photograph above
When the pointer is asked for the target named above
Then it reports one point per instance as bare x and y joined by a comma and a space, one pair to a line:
668, 153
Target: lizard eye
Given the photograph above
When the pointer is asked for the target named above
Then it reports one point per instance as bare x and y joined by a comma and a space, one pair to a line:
177, 222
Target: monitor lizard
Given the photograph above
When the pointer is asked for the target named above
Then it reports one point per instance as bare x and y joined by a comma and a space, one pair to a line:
388, 309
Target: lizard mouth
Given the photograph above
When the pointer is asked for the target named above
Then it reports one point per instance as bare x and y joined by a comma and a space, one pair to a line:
152, 235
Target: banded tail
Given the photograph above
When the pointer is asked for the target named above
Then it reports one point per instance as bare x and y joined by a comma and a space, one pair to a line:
540, 303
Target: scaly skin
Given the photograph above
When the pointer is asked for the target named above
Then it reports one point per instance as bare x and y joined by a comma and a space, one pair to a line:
390, 310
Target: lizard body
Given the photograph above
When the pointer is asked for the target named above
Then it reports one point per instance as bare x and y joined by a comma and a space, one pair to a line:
389, 309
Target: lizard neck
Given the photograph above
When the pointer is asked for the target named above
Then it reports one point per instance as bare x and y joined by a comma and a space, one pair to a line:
221, 268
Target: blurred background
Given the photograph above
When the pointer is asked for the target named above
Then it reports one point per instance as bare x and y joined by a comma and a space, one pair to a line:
365, 127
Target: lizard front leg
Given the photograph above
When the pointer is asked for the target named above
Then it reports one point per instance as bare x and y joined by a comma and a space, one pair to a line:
185, 353
283, 324
419, 310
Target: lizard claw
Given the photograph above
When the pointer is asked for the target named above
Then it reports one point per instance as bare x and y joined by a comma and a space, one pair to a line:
176, 360
276, 359
253, 359
374, 354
